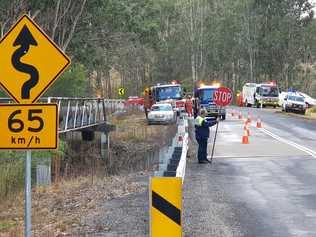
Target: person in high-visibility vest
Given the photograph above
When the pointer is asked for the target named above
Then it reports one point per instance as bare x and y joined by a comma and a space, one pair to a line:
202, 133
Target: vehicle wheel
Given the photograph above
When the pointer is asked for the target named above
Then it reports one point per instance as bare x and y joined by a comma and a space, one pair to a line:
274, 106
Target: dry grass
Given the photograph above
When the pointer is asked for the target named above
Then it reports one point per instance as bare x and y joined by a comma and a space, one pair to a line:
59, 209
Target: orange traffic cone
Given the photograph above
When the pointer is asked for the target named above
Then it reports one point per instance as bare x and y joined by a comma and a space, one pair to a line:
240, 115
245, 139
259, 125
246, 128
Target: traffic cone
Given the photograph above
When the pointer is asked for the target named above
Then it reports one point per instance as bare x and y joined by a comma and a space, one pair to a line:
246, 128
245, 139
259, 125
240, 115
249, 118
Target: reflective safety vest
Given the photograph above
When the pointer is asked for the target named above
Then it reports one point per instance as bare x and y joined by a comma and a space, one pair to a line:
199, 120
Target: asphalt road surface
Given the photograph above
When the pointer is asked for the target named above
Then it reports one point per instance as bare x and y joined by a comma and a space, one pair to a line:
263, 189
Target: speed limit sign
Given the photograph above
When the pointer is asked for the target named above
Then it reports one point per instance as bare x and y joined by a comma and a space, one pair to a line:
28, 126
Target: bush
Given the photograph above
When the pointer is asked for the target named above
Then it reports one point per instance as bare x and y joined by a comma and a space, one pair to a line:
312, 110
72, 83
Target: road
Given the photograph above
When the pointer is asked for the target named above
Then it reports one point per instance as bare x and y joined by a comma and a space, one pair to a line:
262, 189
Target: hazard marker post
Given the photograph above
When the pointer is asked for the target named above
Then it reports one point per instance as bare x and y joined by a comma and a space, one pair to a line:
165, 198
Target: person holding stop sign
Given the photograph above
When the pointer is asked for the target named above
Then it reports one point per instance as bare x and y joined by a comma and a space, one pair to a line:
202, 133
222, 97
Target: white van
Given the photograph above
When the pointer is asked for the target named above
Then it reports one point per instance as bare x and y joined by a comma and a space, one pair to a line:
260, 94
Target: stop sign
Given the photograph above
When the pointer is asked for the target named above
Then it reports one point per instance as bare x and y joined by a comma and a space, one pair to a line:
223, 96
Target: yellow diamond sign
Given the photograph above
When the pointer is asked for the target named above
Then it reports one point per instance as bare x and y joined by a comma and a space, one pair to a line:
29, 61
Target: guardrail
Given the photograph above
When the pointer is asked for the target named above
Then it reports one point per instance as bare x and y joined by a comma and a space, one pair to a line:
80, 113
165, 193
173, 163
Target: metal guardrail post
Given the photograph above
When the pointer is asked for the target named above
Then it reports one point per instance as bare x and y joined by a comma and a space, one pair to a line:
76, 111
90, 112
67, 115
83, 112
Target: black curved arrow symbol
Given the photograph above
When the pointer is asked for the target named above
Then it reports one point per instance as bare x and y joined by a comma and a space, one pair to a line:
25, 39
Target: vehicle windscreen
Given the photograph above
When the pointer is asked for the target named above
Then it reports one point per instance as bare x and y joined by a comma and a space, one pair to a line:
172, 92
270, 91
162, 108
206, 95
299, 99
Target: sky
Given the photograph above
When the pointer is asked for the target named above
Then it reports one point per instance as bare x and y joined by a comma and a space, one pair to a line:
314, 3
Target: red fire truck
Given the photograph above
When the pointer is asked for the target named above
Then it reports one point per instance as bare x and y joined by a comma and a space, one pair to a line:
165, 93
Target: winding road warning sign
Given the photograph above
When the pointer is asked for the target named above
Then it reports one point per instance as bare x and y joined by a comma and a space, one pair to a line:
30, 61
121, 91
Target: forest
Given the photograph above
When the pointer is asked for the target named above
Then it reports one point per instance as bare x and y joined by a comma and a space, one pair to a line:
153, 41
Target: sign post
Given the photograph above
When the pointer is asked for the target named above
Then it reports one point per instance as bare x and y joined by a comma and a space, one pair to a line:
28, 196
222, 97
30, 63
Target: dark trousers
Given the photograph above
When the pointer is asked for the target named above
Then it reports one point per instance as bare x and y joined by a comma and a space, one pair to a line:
202, 151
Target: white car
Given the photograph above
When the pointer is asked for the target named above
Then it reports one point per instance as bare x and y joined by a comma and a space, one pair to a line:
308, 100
161, 114
294, 102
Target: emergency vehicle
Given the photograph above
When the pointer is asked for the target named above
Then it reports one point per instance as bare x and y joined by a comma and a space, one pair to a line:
258, 95
203, 99
165, 93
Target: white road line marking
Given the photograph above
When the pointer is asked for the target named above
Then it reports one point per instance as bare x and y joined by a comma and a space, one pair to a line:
291, 143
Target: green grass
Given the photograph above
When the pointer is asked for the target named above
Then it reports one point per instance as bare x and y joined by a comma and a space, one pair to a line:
12, 169
4, 226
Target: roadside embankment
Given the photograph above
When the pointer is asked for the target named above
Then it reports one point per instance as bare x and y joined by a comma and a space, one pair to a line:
88, 184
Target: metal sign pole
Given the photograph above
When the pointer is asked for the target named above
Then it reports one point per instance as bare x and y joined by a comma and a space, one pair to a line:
28, 195
215, 138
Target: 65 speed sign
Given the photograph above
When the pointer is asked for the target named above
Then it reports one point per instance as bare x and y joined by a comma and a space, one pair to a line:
28, 126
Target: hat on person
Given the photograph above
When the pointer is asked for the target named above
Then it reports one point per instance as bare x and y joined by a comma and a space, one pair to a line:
202, 112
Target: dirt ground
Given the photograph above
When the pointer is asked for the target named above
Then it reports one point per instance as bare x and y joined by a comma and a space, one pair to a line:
73, 207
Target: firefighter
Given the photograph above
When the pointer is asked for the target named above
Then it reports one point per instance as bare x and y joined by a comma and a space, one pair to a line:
189, 105
202, 133
147, 103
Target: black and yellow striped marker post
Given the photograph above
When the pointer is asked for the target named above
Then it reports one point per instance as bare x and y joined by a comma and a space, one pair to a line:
165, 199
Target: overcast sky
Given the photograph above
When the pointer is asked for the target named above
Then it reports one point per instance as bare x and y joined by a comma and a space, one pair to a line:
314, 2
